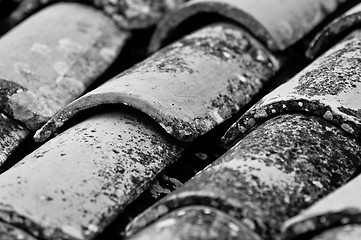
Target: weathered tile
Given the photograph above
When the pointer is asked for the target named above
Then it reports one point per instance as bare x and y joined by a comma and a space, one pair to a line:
127, 14
194, 223
49, 60
330, 87
286, 162
277, 23
278, 169
342, 207
189, 87
75, 184
349, 232
339, 27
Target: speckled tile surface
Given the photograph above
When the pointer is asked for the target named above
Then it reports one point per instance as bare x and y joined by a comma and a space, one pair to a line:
90, 144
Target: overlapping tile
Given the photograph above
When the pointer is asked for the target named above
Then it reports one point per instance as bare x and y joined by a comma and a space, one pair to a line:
177, 92
278, 24
175, 89
336, 214
350, 232
335, 30
330, 88
282, 166
45, 65
75, 184
43, 72
189, 87
297, 149
127, 14
197, 222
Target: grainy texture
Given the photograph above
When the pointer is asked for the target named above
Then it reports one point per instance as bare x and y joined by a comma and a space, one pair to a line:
76, 184
189, 87
277, 23
127, 14
349, 232
330, 87
341, 207
50, 59
8, 232
333, 31
12, 134
281, 167
196, 223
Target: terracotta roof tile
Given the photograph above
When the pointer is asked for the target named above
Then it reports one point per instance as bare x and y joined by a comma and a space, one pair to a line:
188, 87
282, 166
147, 130
278, 24
328, 215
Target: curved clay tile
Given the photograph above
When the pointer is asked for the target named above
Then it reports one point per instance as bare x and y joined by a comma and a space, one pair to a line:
45, 65
339, 213
278, 169
330, 87
189, 87
333, 31
349, 232
197, 222
42, 72
74, 185
277, 23
78, 181
128, 14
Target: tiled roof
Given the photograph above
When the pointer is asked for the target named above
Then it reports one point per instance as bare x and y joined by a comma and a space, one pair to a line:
261, 99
